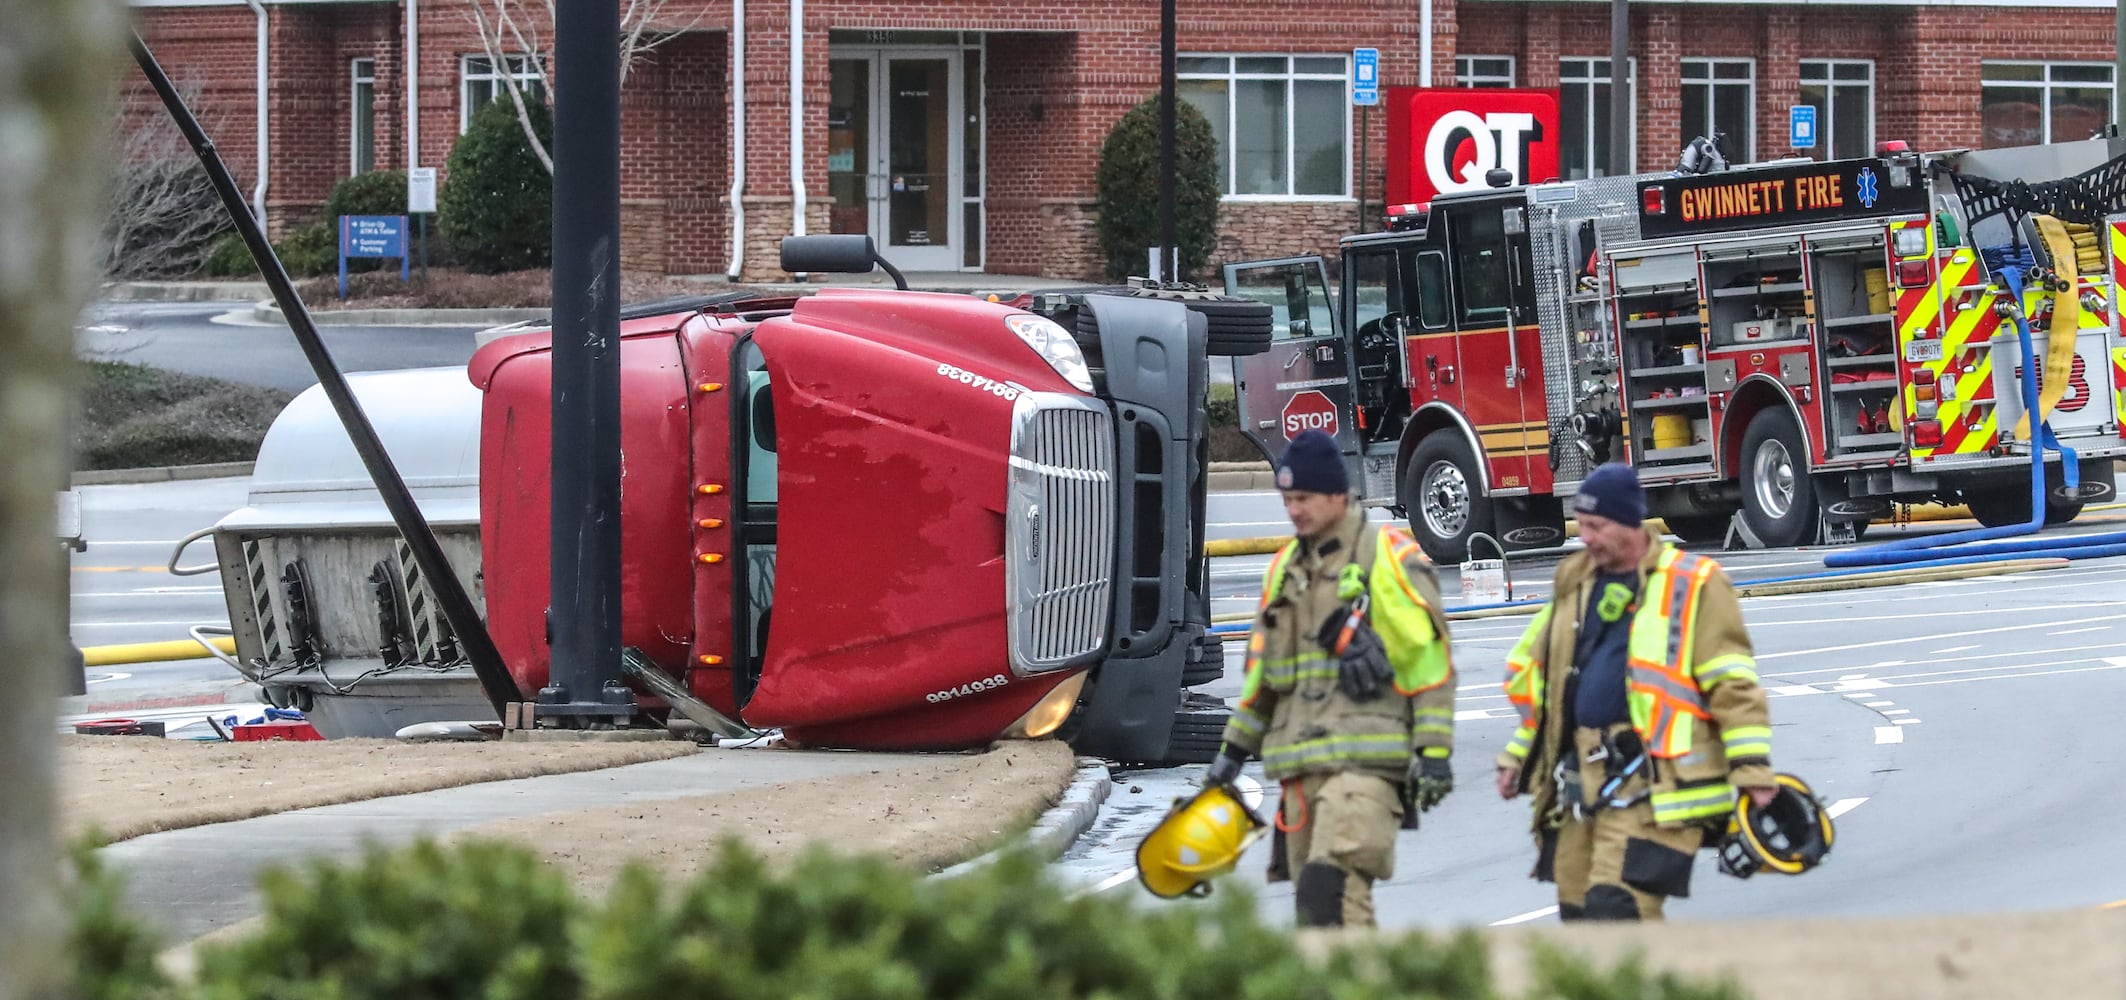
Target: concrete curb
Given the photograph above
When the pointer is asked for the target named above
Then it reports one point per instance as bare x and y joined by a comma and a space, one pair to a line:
1060, 826
183, 291
160, 474
269, 311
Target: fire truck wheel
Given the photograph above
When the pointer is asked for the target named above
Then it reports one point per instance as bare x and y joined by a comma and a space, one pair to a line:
1776, 498
2001, 508
1444, 497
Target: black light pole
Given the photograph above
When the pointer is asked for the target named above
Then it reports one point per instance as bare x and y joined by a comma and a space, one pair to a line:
584, 684
1619, 87
1169, 248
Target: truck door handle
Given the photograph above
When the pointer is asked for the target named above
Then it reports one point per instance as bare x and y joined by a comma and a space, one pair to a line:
1263, 425
1509, 376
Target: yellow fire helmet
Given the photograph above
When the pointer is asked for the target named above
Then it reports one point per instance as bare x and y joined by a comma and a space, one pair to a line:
1790, 836
1201, 838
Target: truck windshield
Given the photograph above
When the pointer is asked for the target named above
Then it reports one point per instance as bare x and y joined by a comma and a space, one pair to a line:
753, 470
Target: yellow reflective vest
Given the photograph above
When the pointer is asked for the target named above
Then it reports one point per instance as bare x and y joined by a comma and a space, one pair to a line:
1291, 711
1691, 686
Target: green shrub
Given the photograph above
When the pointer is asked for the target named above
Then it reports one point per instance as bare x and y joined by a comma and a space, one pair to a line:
228, 257
496, 209
491, 922
1128, 189
378, 192
310, 251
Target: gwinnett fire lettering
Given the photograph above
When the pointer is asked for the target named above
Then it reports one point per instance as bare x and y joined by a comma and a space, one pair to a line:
1767, 197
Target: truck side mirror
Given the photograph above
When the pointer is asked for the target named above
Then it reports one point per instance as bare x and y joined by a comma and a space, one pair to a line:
836, 253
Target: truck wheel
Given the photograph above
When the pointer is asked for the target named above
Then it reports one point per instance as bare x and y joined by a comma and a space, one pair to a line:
1238, 327
1445, 498
1208, 663
1776, 498
1699, 528
2000, 508
1199, 730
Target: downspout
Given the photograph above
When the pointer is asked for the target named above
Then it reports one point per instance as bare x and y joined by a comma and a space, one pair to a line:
412, 70
738, 139
258, 191
1424, 43
797, 116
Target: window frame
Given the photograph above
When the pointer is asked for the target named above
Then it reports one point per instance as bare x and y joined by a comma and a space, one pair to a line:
1465, 74
1590, 81
1827, 115
1712, 82
513, 61
1232, 78
2044, 86
360, 77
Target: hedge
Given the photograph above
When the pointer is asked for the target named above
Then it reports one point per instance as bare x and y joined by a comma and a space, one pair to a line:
491, 922
1127, 189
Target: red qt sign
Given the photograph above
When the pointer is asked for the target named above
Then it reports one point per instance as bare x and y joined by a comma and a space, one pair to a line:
1309, 411
1444, 140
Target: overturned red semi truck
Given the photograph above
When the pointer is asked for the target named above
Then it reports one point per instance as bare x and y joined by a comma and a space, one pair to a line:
871, 519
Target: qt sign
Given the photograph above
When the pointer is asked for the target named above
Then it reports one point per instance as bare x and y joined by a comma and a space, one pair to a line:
1309, 411
1445, 140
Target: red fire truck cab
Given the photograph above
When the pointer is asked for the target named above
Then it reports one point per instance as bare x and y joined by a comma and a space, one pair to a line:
1803, 343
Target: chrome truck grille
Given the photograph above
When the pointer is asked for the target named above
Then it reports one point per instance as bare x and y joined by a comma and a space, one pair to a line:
1059, 562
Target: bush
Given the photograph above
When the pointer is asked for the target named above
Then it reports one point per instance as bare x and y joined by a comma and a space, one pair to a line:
310, 251
228, 257
1128, 189
496, 210
491, 922
133, 416
1223, 413
378, 192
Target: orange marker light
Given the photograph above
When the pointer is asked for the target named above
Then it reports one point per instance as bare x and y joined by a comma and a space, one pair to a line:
712, 558
711, 660
709, 522
710, 386
711, 489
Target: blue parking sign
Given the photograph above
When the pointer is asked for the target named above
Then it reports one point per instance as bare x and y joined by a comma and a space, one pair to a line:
1365, 77
1802, 126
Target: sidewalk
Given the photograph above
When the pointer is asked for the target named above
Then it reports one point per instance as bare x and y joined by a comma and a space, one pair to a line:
201, 879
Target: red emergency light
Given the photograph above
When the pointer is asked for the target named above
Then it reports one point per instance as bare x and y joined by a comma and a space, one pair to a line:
1408, 216
1653, 200
1926, 434
1913, 273
1893, 146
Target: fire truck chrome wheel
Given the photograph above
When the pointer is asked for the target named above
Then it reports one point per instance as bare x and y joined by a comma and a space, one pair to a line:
1444, 500
1774, 476
1777, 500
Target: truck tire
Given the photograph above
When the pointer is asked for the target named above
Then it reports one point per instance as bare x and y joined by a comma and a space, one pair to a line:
1699, 528
2000, 508
1199, 730
1776, 498
1238, 327
1444, 497
1209, 665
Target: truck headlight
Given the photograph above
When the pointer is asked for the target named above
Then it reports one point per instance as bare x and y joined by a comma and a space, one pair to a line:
1055, 346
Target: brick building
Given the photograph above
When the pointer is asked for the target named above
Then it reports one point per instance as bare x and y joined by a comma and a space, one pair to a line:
964, 134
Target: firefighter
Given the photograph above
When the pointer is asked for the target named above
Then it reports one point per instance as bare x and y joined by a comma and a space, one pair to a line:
1641, 715
1349, 694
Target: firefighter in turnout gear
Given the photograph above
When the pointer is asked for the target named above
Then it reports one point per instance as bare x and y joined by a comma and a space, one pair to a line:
1349, 693
1641, 715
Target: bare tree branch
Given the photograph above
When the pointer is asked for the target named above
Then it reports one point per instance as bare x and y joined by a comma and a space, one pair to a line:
498, 63
160, 211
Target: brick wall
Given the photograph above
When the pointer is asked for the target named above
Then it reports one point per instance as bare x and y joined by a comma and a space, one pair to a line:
1060, 73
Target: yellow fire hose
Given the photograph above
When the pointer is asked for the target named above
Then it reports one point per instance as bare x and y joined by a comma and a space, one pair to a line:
151, 652
2066, 322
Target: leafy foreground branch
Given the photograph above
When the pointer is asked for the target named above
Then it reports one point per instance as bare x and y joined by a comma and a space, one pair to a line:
488, 921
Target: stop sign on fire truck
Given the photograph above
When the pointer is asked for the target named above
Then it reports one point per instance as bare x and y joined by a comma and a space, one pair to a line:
1309, 411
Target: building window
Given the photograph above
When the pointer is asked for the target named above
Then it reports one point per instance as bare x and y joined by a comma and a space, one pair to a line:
361, 134
1282, 122
1483, 71
2026, 103
479, 81
1583, 116
1843, 94
1719, 97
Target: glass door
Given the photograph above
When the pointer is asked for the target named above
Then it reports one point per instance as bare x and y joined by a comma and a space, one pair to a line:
894, 147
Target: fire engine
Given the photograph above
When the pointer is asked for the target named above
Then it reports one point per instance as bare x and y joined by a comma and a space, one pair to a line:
1782, 350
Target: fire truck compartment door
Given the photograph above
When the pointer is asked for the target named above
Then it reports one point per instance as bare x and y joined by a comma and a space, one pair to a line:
1303, 382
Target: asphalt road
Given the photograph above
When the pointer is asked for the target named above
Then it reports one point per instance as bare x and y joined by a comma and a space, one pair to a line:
222, 340
1948, 723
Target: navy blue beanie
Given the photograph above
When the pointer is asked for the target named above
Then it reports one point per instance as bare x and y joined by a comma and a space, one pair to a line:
1612, 491
1313, 464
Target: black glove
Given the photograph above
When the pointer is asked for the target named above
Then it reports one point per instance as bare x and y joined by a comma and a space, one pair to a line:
1224, 768
1433, 778
1362, 669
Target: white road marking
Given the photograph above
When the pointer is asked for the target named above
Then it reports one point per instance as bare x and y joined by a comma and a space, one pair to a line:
1880, 704
1904, 722
1888, 734
1795, 689
1852, 677
1843, 806
2078, 631
1947, 635
1525, 917
107, 678
1951, 649
150, 592
1970, 659
1897, 711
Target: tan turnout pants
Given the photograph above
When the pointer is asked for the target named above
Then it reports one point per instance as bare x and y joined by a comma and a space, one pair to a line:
1616, 864
1339, 833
